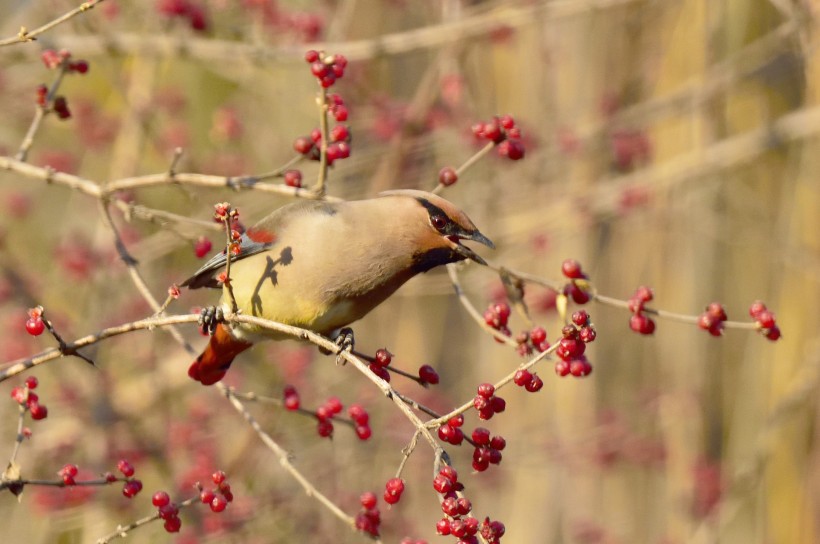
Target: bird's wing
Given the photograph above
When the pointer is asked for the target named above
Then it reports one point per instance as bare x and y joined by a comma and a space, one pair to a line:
256, 239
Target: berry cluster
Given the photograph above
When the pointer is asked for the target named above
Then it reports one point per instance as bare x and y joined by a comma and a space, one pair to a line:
218, 498
68, 473
451, 431
504, 133
575, 289
62, 58
369, 518
338, 149
487, 449
534, 340
132, 486
765, 320
362, 420
28, 400
530, 381
35, 324
712, 319
457, 521
640, 322
393, 490
380, 362
327, 411
572, 346
336, 107
184, 9
487, 403
497, 316
326, 68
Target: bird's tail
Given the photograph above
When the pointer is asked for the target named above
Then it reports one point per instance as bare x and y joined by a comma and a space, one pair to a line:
211, 366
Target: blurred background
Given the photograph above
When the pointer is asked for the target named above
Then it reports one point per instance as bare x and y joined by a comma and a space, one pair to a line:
668, 143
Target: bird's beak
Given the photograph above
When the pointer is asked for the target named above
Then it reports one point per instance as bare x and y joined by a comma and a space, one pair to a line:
466, 251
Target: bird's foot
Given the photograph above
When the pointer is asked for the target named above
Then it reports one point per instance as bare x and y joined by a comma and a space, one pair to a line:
210, 317
345, 342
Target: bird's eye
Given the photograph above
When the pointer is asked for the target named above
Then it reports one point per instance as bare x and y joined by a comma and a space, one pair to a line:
439, 222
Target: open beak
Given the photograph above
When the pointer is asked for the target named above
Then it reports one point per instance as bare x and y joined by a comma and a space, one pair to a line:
466, 251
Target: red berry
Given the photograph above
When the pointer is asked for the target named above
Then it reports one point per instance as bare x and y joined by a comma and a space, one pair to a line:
716, 310
31, 382
428, 374
587, 334
160, 498
339, 133
292, 402
498, 443
109, 477
493, 132
206, 496
773, 333
641, 324
562, 368
311, 56
340, 113
126, 468
502, 311
131, 488
81, 67
383, 357
218, 503
535, 384
481, 403
766, 319
522, 377
449, 506
481, 436
498, 404
442, 484
363, 432
324, 428
358, 414
480, 465
218, 477
293, 178
579, 296
644, 293
486, 390
538, 335
511, 149
303, 145
572, 269
443, 527
580, 318
756, 307
447, 176
35, 326
38, 411
506, 122
368, 500
379, 371
202, 247
395, 485
168, 510
172, 525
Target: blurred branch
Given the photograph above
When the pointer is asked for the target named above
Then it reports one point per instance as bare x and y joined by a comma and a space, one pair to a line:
26, 35
427, 37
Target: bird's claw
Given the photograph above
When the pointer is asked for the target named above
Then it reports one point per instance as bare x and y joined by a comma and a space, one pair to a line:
209, 318
345, 342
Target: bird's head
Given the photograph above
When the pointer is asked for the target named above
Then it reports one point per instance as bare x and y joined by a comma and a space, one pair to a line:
439, 229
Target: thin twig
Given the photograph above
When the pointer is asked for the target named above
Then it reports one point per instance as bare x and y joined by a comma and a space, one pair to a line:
26, 35
123, 530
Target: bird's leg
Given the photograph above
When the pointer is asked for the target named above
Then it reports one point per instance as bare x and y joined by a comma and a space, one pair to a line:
210, 317
345, 342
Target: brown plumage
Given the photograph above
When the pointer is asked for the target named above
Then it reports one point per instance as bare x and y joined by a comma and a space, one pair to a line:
322, 266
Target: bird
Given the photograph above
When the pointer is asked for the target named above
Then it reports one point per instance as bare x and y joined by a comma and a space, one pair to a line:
322, 265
